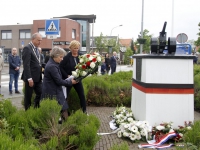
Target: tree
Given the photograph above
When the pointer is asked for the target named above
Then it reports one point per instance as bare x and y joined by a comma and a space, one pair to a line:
114, 44
132, 47
147, 44
197, 42
127, 55
100, 43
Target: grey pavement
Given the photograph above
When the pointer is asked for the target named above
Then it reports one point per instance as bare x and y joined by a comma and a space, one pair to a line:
103, 113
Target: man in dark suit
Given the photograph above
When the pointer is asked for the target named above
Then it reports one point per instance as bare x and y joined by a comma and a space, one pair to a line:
113, 62
32, 73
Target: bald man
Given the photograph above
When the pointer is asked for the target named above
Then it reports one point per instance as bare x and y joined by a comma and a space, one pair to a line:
14, 70
32, 73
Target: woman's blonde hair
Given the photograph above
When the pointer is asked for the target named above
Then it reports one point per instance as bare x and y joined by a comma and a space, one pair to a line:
57, 51
74, 43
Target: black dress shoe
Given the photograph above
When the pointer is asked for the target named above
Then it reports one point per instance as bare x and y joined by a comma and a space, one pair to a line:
17, 92
10, 92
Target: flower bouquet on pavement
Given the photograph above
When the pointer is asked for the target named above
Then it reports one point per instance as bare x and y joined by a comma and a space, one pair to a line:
88, 64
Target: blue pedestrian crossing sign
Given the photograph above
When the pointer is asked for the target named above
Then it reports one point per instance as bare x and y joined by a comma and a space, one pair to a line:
52, 27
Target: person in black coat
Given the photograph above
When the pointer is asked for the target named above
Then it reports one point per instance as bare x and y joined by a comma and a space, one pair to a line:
68, 65
53, 82
107, 62
113, 62
47, 57
103, 67
32, 73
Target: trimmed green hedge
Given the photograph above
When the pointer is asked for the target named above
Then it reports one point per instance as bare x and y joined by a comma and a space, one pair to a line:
105, 90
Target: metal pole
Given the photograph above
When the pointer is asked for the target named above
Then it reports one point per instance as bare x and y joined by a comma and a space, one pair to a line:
114, 28
92, 34
52, 44
172, 31
141, 45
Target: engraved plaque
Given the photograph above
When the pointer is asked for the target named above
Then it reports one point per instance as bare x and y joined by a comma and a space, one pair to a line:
138, 69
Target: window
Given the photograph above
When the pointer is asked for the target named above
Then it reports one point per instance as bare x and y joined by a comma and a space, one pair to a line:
73, 33
24, 34
42, 32
6, 34
84, 39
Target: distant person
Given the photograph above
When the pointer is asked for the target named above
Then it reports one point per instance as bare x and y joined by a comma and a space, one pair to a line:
32, 73
103, 67
195, 60
47, 56
1, 68
67, 65
41, 55
14, 70
113, 62
107, 62
53, 82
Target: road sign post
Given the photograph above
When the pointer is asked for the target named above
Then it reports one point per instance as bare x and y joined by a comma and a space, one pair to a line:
52, 29
182, 38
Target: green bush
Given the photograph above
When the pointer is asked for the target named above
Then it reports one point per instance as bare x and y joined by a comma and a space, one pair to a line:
39, 128
6, 108
86, 127
193, 136
7, 143
105, 90
197, 87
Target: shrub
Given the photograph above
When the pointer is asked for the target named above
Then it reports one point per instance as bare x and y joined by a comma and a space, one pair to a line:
105, 90
7, 143
39, 129
86, 128
6, 108
193, 136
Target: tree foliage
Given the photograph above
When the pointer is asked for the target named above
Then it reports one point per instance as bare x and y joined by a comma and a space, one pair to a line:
197, 42
127, 54
146, 46
100, 43
103, 43
132, 46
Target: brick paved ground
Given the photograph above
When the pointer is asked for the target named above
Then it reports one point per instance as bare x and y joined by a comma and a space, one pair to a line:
107, 141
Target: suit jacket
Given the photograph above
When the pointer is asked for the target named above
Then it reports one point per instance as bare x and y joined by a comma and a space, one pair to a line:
67, 65
53, 82
113, 61
31, 64
14, 62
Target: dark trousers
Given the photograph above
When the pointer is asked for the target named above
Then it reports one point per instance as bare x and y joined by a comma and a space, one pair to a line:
14, 77
80, 91
113, 69
28, 94
107, 69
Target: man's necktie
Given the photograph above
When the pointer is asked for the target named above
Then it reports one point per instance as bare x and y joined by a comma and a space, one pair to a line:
37, 53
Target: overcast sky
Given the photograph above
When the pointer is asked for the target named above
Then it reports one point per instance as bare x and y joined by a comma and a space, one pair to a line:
111, 13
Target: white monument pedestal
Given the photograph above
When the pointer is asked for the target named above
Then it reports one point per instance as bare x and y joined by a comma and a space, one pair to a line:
163, 89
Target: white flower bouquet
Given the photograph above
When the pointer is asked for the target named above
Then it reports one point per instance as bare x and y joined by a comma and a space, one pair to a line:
88, 64
129, 127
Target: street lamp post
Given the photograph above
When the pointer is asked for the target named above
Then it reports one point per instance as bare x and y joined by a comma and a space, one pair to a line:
114, 28
141, 45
